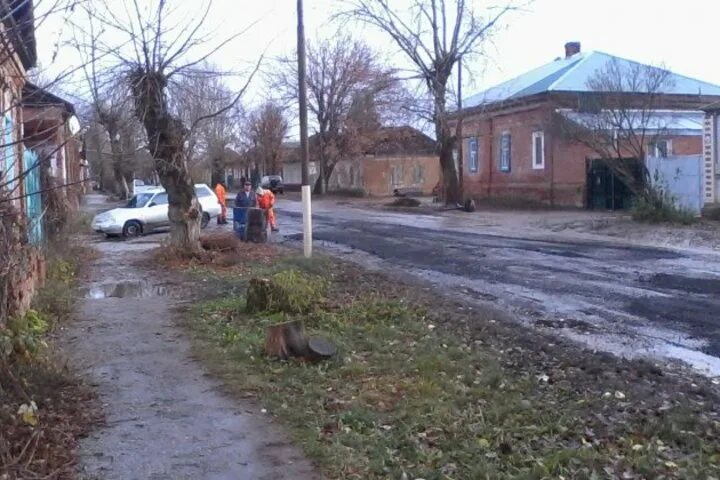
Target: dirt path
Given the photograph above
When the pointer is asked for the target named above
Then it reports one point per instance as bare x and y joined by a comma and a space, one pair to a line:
165, 418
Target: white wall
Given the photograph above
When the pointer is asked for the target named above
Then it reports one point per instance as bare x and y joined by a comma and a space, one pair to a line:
292, 173
683, 175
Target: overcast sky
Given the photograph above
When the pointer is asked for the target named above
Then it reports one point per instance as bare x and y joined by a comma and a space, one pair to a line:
682, 35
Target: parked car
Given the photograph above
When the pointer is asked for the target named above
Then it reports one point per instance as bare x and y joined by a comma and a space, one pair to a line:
274, 183
138, 186
148, 210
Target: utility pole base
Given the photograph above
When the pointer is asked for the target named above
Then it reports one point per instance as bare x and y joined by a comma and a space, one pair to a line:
307, 221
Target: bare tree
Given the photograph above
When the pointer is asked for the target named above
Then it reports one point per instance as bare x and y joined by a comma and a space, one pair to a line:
340, 71
159, 50
108, 96
199, 93
267, 129
619, 120
434, 35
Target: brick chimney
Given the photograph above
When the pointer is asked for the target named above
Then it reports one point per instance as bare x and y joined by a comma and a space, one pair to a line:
571, 48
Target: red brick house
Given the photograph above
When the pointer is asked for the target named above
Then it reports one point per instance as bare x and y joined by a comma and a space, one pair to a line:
512, 146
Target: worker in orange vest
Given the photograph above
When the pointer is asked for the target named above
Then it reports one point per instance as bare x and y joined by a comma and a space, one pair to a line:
221, 192
266, 201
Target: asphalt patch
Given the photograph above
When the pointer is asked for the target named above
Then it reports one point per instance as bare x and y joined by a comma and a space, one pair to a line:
703, 286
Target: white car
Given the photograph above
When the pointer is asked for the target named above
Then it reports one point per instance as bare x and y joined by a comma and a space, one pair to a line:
147, 211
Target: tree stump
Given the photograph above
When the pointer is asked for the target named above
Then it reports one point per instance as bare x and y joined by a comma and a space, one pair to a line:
286, 340
319, 348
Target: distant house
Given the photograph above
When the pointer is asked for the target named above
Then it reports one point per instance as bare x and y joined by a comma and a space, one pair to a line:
512, 148
401, 158
292, 166
51, 134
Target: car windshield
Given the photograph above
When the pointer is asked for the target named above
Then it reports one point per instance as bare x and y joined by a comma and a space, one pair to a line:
203, 192
139, 200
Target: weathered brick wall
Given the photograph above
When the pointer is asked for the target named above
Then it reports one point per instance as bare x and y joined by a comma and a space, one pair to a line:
22, 267
374, 174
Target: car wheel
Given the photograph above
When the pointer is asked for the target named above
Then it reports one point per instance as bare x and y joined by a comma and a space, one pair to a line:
204, 220
132, 228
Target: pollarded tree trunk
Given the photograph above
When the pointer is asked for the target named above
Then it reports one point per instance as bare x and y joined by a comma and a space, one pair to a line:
451, 183
109, 121
166, 141
445, 146
121, 185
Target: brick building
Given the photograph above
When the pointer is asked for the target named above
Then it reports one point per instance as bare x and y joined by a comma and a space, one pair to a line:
51, 132
21, 260
401, 158
513, 146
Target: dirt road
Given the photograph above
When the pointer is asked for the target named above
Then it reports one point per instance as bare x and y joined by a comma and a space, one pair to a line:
166, 418
628, 299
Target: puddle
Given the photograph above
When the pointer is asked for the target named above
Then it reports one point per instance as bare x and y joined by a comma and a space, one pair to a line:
126, 290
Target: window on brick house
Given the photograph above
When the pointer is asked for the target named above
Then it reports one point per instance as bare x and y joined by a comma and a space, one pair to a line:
505, 153
538, 150
661, 148
473, 163
417, 174
396, 175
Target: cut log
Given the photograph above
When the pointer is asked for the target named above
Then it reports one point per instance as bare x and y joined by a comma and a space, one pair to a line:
286, 340
320, 348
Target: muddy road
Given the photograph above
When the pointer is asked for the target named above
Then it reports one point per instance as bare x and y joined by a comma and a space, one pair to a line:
166, 419
628, 299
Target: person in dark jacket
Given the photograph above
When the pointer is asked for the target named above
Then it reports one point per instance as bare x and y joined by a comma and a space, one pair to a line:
246, 198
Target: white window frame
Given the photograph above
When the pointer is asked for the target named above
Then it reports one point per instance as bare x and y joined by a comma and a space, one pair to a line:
473, 160
535, 164
418, 174
505, 167
668, 148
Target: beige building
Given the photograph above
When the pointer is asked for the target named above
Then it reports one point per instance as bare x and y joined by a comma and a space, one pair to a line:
398, 158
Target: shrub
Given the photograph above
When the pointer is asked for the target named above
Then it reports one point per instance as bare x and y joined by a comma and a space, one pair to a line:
289, 291
661, 208
23, 336
55, 298
350, 192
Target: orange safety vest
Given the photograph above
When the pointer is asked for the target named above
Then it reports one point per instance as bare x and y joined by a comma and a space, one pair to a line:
266, 200
220, 192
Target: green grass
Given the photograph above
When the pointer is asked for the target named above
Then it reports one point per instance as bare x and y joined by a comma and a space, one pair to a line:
404, 398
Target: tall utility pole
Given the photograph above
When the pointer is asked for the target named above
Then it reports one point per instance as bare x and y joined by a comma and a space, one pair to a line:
304, 148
